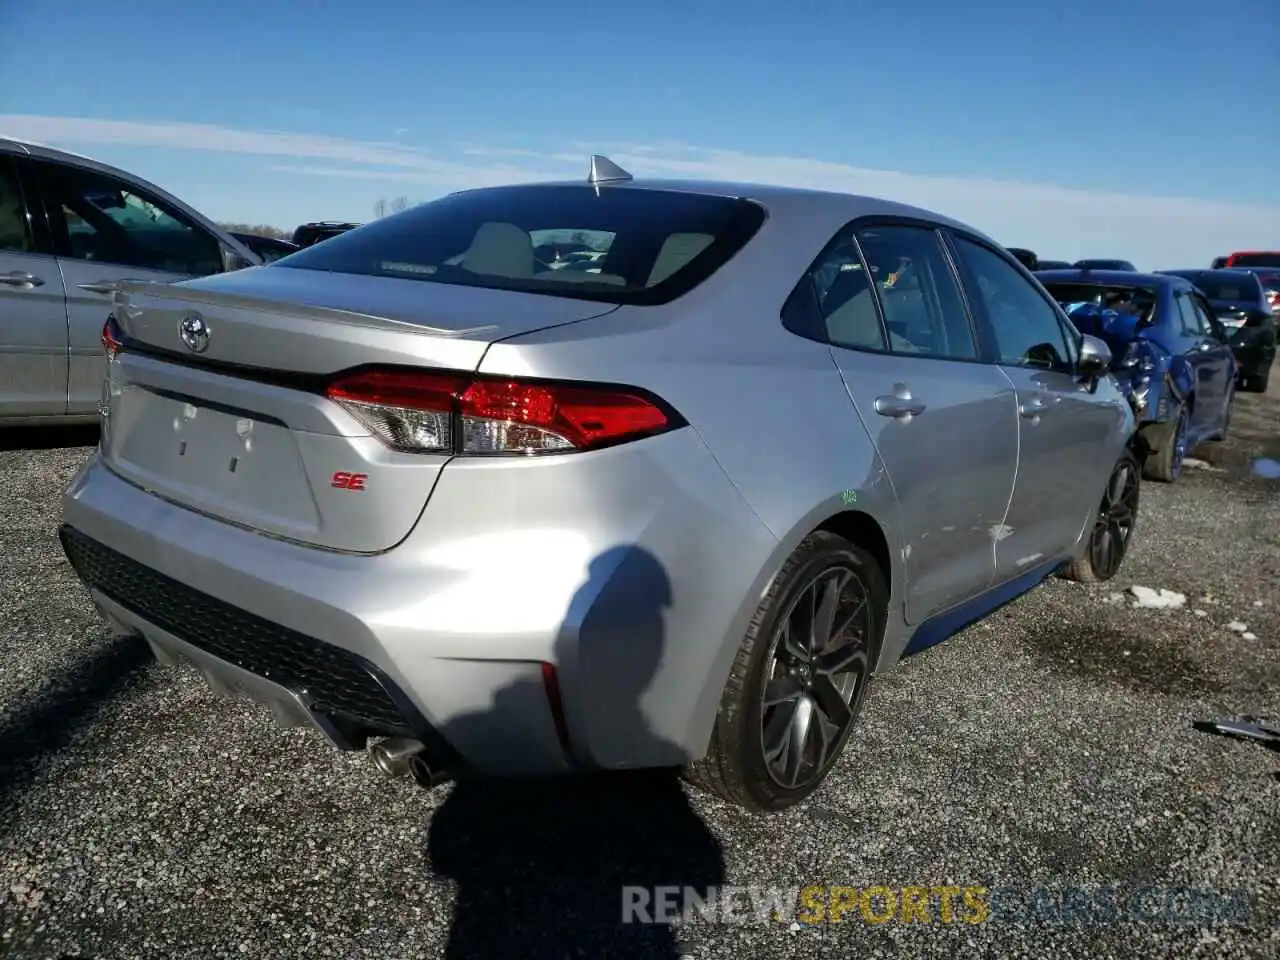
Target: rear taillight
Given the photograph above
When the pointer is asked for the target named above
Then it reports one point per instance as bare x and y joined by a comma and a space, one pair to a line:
111, 344
421, 412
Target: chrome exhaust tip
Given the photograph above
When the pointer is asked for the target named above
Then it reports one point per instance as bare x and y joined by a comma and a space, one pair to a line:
394, 755
426, 776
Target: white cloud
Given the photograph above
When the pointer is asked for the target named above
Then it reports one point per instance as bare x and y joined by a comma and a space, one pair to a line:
465, 176
1056, 221
417, 164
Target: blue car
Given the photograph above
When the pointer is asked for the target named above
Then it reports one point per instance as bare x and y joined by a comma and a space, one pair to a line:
1173, 357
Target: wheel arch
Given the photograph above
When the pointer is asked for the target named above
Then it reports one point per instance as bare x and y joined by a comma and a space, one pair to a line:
869, 529
872, 526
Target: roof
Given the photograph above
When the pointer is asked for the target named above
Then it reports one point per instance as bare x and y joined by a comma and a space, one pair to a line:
1201, 271
35, 148
1113, 278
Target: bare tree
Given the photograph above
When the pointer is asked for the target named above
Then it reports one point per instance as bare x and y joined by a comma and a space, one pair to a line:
380, 209
399, 204
258, 229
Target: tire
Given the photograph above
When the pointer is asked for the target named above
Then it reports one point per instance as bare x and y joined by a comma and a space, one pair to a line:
1168, 441
1257, 383
1118, 512
736, 767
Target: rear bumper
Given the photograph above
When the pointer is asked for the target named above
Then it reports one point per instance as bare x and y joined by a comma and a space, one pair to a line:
637, 598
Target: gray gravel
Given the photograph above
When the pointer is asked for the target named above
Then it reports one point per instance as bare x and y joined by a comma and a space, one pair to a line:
1051, 746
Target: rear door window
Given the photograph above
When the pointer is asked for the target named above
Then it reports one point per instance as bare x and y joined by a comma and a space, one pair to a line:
924, 312
621, 245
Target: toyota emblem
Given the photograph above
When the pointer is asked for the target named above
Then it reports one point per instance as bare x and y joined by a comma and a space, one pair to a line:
194, 332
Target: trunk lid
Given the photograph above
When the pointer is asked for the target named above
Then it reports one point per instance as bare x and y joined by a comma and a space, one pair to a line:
242, 432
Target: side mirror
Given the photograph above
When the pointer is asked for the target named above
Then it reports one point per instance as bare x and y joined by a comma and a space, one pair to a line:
233, 261
1095, 357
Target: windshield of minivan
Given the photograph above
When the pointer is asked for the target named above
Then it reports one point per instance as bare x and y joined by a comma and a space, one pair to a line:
621, 245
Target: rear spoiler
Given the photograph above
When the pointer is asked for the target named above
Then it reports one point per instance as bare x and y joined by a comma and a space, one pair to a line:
124, 293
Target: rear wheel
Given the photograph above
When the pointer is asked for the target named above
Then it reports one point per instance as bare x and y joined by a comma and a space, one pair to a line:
1112, 527
1257, 383
1170, 442
800, 677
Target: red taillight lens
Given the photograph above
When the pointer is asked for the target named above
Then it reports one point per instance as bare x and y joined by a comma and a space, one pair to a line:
455, 413
110, 338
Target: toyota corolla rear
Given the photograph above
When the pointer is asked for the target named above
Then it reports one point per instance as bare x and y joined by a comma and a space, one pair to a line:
309, 486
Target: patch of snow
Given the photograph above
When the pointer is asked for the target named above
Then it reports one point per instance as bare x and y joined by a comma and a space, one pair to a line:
1257, 603
1115, 598
1200, 613
1157, 599
1201, 465
1238, 627
1249, 636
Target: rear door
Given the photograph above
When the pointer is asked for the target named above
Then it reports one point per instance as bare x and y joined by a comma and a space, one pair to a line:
105, 230
1068, 435
1217, 359
944, 423
1209, 359
33, 312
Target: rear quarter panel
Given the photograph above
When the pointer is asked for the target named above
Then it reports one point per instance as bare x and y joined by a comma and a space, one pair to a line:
771, 408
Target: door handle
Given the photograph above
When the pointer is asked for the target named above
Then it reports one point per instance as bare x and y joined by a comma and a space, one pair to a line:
17, 278
1033, 408
900, 404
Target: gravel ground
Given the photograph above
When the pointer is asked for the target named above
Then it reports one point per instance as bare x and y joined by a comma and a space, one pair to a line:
1050, 747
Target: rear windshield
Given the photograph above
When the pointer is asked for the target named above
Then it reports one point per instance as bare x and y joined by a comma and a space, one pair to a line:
1255, 260
621, 245
1226, 288
1139, 301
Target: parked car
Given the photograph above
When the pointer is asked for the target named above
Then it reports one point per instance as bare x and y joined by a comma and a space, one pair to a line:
523, 521
1025, 257
1240, 302
1104, 265
69, 228
1053, 265
1254, 258
1270, 279
270, 249
1174, 359
310, 234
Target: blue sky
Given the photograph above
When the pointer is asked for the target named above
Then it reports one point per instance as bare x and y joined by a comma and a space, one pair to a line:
1145, 130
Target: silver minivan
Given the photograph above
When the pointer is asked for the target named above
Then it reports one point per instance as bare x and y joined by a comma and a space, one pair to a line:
69, 228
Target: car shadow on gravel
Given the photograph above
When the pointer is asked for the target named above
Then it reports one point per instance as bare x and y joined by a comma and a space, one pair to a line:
1134, 658
64, 707
47, 438
543, 866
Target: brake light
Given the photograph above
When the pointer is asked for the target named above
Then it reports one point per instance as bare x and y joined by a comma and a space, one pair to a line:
428, 412
111, 344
